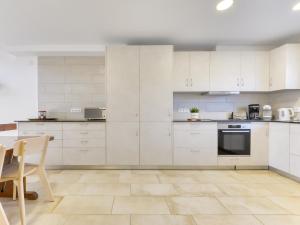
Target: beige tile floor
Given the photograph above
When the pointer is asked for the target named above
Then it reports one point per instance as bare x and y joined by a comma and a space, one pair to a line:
163, 197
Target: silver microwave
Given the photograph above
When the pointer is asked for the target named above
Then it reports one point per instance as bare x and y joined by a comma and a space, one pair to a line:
94, 113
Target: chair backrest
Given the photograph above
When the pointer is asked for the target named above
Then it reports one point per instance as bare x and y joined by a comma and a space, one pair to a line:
35, 146
2, 156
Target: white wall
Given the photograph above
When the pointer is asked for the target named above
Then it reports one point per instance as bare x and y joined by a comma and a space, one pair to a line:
18, 88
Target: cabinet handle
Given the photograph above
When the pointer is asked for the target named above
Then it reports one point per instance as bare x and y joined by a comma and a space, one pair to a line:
84, 133
270, 82
136, 115
191, 82
194, 133
40, 133
194, 151
137, 133
84, 142
84, 150
243, 83
186, 82
238, 82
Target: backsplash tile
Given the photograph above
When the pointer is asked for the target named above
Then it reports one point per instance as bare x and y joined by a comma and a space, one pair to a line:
66, 82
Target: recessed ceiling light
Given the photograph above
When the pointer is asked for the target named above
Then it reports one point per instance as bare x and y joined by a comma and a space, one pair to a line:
224, 4
296, 7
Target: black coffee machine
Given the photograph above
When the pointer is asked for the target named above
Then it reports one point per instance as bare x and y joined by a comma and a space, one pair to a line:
253, 111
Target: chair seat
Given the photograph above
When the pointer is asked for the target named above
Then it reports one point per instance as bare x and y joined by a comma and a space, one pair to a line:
10, 171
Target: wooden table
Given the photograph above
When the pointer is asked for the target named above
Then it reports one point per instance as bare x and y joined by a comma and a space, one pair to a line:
6, 188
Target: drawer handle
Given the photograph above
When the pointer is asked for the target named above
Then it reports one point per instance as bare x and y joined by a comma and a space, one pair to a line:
194, 133
84, 133
84, 142
40, 124
84, 150
195, 151
40, 133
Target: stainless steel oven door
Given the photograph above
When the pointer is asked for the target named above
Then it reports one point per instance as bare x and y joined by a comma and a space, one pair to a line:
234, 142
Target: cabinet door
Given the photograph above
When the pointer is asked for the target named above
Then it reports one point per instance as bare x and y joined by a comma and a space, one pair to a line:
259, 145
295, 165
122, 65
156, 96
122, 143
254, 76
279, 146
199, 71
277, 68
293, 67
225, 71
295, 149
156, 144
181, 72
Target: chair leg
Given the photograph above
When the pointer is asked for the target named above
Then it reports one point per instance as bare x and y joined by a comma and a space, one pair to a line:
3, 218
21, 200
46, 184
14, 191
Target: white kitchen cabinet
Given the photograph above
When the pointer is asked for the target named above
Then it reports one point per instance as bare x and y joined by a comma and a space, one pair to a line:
156, 144
254, 71
195, 144
123, 143
84, 143
225, 71
191, 71
259, 146
295, 149
279, 146
54, 155
285, 68
123, 83
156, 98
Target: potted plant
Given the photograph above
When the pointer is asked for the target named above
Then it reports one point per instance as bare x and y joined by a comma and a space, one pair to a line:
194, 113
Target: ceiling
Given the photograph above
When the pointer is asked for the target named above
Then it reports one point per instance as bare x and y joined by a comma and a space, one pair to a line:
189, 24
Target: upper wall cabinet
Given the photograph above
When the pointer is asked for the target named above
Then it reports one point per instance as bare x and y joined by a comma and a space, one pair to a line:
225, 71
156, 99
191, 71
285, 67
254, 71
123, 83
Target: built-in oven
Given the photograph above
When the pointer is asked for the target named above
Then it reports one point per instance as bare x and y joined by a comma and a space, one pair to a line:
234, 139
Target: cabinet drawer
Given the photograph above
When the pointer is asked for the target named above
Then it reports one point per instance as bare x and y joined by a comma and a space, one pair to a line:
84, 156
69, 134
195, 156
202, 139
84, 142
55, 144
199, 126
57, 134
40, 126
54, 156
83, 126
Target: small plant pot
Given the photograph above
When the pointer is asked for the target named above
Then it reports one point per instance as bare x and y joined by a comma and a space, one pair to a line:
194, 116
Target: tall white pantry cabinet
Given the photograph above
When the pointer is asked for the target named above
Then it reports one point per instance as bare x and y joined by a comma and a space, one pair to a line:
139, 102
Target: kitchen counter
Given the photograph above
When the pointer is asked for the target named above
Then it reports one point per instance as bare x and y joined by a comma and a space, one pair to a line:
46, 121
234, 121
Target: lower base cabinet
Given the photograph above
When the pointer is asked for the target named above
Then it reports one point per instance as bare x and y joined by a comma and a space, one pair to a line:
156, 144
195, 144
123, 143
279, 146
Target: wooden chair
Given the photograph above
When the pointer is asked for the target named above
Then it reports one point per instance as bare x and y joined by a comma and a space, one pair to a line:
3, 218
17, 176
37, 146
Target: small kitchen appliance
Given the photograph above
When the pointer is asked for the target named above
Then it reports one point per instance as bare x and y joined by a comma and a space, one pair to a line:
285, 114
94, 113
296, 114
253, 111
42, 115
267, 112
234, 139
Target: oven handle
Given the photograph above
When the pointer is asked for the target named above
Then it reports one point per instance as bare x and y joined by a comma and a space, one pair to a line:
235, 131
